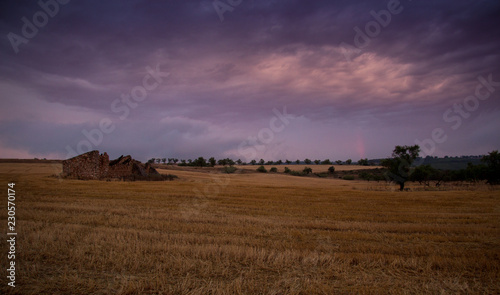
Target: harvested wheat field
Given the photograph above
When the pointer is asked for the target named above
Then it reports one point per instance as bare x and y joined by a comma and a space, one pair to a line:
248, 233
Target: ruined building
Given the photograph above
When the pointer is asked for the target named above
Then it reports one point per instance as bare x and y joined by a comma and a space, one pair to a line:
93, 165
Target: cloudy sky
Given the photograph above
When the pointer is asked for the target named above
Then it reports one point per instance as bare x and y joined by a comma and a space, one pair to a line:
249, 78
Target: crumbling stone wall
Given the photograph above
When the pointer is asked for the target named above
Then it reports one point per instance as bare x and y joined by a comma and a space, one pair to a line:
93, 165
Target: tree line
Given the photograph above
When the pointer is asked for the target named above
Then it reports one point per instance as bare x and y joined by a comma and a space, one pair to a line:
202, 162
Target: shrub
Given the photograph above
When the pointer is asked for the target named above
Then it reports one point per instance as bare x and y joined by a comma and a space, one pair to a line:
229, 169
287, 170
331, 169
365, 176
348, 177
307, 170
262, 169
274, 170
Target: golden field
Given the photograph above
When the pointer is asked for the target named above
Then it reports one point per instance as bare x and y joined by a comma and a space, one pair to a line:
246, 233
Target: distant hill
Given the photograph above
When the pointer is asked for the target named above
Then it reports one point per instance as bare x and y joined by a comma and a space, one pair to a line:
446, 163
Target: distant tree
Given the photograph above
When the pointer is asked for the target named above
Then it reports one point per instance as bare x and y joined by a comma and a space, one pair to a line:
183, 161
269, 162
363, 162
239, 161
338, 162
273, 169
297, 162
151, 161
164, 160
492, 161
222, 162
400, 163
253, 162
288, 162
175, 161
424, 174
331, 169
190, 161
212, 161
326, 162
261, 162
158, 160
279, 162
317, 162
307, 161
307, 170
200, 162
230, 162
348, 162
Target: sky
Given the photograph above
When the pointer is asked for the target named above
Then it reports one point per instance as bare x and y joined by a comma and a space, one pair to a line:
249, 79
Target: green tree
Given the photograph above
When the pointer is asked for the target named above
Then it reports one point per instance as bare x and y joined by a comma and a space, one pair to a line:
297, 162
212, 161
400, 163
261, 162
273, 169
317, 162
331, 169
363, 162
348, 162
307, 170
326, 162
253, 162
307, 161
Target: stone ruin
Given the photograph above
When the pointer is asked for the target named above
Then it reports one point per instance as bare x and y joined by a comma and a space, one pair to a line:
93, 165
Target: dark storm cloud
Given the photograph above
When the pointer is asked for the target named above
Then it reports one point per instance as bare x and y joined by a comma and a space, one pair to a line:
228, 76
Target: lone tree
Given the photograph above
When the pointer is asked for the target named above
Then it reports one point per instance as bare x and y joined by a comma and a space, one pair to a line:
400, 163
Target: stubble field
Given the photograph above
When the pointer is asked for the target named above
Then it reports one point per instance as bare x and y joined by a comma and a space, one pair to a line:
246, 233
